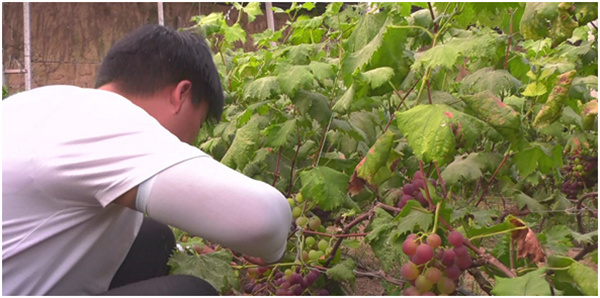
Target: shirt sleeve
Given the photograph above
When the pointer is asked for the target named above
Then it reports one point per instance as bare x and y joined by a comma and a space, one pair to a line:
210, 200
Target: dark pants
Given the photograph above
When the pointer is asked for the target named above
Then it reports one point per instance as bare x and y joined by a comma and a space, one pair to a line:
144, 270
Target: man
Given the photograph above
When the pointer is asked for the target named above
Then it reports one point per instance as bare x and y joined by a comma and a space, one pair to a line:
81, 167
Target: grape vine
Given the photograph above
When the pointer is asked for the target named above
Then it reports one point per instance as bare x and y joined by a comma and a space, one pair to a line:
419, 144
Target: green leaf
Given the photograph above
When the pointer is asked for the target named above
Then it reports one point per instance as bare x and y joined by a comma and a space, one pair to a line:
535, 89
243, 147
253, 10
378, 161
262, 88
343, 272
543, 157
412, 218
471, 167
315, 104
215, 268
326, 186
530, 284
432, 131
494, 81
378, 76
487, 231
294, 78
343, 104
525, 200
569, 272
234, 33
321, 71
278, 135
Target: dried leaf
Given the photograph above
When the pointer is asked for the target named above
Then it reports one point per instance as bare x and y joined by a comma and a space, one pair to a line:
357, 184
528, 245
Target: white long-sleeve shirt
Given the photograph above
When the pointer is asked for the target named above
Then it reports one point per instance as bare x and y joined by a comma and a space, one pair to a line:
68, 152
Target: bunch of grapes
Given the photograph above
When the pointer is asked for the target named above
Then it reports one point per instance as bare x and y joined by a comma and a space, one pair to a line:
580, 173
434, 269
412, 191
290, 282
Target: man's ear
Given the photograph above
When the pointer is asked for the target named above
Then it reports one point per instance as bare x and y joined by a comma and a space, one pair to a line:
181, 93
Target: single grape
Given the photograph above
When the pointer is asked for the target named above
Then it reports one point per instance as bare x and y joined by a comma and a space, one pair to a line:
417, 176
323, 292
285, 285
249, 288
296, 212
323, 245
423, 284
288, 272
433, 274
282, 292
428, 294
297, 290
408, 189
448, 257
295, 278
314, 255
409, 247
418, 185
464, 262
446, 286
434, 240
423, 254
314, 223
312, 276
291, 202
310, 241
461, 251
452, 272
455, 238
301, 221
299, 198
410, 271
412, 291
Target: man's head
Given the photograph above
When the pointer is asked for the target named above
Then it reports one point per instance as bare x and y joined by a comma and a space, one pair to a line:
170, 74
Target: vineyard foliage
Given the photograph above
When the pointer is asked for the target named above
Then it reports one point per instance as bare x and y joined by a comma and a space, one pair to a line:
493, 105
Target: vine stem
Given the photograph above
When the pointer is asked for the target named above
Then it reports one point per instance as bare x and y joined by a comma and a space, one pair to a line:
579, 211
289, 192
309, 232
512, 13
400, 104
487, 186
277, 166
437, 170
428, 196
322, 143
345, 230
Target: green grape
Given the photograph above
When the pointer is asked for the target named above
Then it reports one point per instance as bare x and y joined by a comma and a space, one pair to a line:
446, 285
423, 284
314, 255
310, 241
301, 221
296, 212
291, 202
323, 245
299, 198
314, 223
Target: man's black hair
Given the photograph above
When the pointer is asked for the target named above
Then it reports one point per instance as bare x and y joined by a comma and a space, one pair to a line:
154, 57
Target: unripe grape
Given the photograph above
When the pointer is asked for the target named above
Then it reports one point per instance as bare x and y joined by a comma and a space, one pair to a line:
455, 238
446, 286
301, 221
296, 212
291, 202
423, 254
423, 284
314, 223
323, 245
434, 240
314, 255
299, 198
433, 274
410, 271
310, 241
288, 272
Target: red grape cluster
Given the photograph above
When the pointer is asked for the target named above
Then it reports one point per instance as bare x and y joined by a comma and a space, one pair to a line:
287, 283
580, 173
412, 190
433, 269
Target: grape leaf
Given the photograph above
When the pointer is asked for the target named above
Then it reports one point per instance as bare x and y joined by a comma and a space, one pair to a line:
585, 279
494, 81
243, 147
313, 103
278, 135
485, 231
432, 131
262, 88
326, 186
234, 33
321, 71
552, 109
530, 284
253, 10
525, 200
462, 169
214, 268
386, 249
412, 217
343, 104
343, 272
539, 157
378, 161
378, 76
294, 78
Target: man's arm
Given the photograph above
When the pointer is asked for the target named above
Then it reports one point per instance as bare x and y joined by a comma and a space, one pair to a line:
208, 199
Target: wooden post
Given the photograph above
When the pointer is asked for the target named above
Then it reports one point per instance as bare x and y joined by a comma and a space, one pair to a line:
27, 42
161, 14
